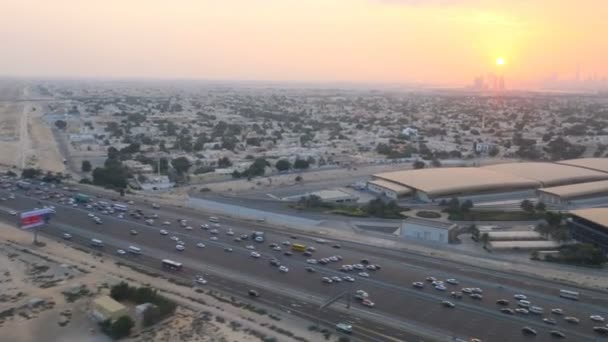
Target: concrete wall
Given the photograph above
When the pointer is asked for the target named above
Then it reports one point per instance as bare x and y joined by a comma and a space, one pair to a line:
425, 233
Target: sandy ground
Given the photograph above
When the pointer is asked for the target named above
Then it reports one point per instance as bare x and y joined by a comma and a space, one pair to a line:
30, 273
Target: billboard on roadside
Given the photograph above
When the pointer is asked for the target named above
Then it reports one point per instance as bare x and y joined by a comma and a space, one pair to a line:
34, 218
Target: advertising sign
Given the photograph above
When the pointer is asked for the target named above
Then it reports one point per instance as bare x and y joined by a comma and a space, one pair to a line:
34, 218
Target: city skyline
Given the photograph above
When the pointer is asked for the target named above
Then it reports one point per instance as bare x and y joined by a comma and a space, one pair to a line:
442, 43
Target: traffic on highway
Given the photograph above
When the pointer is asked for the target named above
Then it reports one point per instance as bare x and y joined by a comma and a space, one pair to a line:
390, 292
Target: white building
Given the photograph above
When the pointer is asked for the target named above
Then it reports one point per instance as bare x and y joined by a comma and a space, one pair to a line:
410, 131
428, 230
158, 183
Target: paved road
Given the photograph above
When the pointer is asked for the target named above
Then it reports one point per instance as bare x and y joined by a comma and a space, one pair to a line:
397, 304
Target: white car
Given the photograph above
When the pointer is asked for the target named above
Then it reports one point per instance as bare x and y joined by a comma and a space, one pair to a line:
259, 239
120, 216
349, 279
174, 238
12, 213
230, 233
228, 249
200, 245
523, 303
255, 255
452, 281
440, 288
536, 310
522, 311
364, 274
188, 228
213, 238
121, 252
418, 284
213, 231
311, 261
166, 223
67, 236
557, 311
251, 247
520, 296
204, 226
596, 318
327, 280
321, 241
200, 280
163, 232
283, 269
286, 243
180, 247
276, 248
91, 215
336, 279
181, 243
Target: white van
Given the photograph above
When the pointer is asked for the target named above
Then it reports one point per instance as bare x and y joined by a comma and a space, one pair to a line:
214, 219
96, 243
134, 250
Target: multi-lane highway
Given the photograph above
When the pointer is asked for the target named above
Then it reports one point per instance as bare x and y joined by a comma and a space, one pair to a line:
399, 308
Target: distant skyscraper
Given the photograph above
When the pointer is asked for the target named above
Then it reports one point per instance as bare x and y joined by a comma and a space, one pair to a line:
501, 83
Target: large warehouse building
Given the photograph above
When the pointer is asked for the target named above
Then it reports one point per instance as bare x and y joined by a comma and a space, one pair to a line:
495, 181
590, 226
572, 194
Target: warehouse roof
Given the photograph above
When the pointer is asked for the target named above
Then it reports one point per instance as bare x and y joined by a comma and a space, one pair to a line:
595, 215
524, 245
456, 180
578, 190
515, 235
597, 164
398, 189
549, 174
108, 304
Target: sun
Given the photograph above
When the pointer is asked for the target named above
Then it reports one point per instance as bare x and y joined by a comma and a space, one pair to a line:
500, 61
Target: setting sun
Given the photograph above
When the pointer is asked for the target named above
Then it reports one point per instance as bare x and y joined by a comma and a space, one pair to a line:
500, 61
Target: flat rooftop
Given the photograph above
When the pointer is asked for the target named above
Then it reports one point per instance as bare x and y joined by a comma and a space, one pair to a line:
549, 174
597, 164
524, 244
397, 188
595, 215
457, 180
577, 190
428, 223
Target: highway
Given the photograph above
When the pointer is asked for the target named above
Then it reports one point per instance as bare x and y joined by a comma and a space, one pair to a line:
399, 307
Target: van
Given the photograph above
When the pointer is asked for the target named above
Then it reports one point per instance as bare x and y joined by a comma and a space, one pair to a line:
96, 243
134, 250
214, 219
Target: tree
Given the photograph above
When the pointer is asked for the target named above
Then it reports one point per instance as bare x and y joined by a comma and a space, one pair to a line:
466, 206
300, 164
86, 166
419, 164
181, 165
121, 327
61, 124
283, 165
540, 206
224, 162
298, 178
435, 162
257, 168
31, 173
453, 205
527, 206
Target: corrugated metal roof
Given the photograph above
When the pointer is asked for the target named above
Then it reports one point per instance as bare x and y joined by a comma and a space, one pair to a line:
397, 188
577, 190
549, 174
595, 215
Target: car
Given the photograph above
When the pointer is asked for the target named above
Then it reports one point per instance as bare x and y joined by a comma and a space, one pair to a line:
596, 318
133, 232
476, 296
287, 253
188, 228
253, 293
522, 311
557, 333
520, 296
213, 238
523, 303
572, 320
200, 245
452, 281
358, 267
200, 280
344, 327
448, 304
286, 243
311, 249
310, 269
121, 252
601, 330
431, 279
550, 321
213, 231
336, 279
283, 269
244, 237
174, 238
228, 249
163, 232
250, 247
307, 254
536, 310
361, 295
371, 267
440, 288
327, 280
368, 303
456, 294
237, 239
230, 233
255, 255
320, 241
150, 222
477, 290
528, 331
438, 282
557, 311
507, 311
337, 246
259, 239
466, 290
67, 236
363, 274
502, 302
181, 243
323, 261
91, 215
276, 248
204, 226
180, 247
275, 262
349, 279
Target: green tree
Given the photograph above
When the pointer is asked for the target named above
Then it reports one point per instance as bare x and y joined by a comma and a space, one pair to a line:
86, 166
453, 205
257, 168
527, 206
61, 124
466, 206
31, 173
224, 162
301, 164
419, 164
181, 165
121, 327
540, 206
283, 165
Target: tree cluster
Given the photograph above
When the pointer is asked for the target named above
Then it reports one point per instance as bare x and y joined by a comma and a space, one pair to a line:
163, 307
118, 329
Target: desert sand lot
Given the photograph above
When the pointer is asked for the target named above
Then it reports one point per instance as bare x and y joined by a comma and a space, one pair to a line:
37, 300
25, 139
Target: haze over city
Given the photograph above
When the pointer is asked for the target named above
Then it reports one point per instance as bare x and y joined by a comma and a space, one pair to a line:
435, 42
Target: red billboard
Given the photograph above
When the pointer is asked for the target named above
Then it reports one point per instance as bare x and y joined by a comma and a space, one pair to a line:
34, 218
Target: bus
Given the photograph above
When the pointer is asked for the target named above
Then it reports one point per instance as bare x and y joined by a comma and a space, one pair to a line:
134, 250
568, 294
214, 219
298, 247
120, 207
96, 243
172, 265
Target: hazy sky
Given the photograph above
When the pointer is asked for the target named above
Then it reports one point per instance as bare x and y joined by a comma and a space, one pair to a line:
433, 41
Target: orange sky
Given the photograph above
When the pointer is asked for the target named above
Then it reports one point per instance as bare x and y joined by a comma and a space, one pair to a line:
433, 41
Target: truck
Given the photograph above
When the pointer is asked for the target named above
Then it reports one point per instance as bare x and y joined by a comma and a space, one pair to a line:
82, 198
